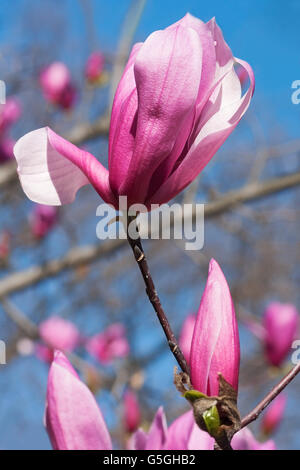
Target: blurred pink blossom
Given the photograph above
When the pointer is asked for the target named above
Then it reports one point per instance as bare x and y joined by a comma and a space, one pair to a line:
94, 66
273, 415
55, 81
110, 344
6, 148
56, 333
244, 440
280, 323
10, 113
132, 412
5, 245
42, 220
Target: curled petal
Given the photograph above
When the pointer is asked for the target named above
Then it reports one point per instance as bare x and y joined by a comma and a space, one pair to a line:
51, 169
219, 118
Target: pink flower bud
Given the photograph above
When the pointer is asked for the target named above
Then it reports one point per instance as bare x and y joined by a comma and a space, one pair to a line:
56, 333
55, 81
280, 322
186, 336
274, 414
109, 345
132, 413
94, 66
73, 418
177, 102
244, 440
215, 345
42, 220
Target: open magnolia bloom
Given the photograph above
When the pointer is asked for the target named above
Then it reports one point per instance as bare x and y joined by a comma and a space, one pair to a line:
178, 100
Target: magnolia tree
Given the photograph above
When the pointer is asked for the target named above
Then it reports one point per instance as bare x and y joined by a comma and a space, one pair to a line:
180, 96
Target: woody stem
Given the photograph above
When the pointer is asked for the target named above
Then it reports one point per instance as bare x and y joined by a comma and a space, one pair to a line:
139, 255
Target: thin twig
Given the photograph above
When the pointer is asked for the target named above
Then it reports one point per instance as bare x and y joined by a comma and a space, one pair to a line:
254, 414
140, 258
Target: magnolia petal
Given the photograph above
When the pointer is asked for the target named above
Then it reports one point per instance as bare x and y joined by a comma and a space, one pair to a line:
244, 440
164, 63
216, 125
73, 418
179, 432
52, 170
123, 112
157, 435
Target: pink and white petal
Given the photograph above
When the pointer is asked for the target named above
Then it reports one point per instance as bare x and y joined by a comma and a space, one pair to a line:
168, 60
52, 170
223, 54
216, 129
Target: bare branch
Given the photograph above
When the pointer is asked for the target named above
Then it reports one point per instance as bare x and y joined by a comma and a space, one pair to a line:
84, 255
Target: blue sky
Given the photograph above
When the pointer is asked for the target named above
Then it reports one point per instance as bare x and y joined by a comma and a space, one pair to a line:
263, 32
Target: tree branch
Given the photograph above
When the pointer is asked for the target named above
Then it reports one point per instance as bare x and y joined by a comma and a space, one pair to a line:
88, 254
254, 414
140, 257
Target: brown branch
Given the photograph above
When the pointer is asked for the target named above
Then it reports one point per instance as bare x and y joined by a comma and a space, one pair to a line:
140, 257
85, 255
254, 414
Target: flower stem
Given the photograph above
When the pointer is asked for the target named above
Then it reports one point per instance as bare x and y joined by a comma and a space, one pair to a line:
139, 255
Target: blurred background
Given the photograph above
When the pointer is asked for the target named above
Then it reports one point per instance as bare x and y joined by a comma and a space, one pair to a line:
52, 264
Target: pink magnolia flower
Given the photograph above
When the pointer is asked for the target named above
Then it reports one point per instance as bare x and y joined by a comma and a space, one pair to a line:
10, 112
244, 440
42, 220
56, 333
132, 412
94, 66
55, 81
178, 100
274, 414
280, 323
73, 418
186, 335
109, 344
215, 345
